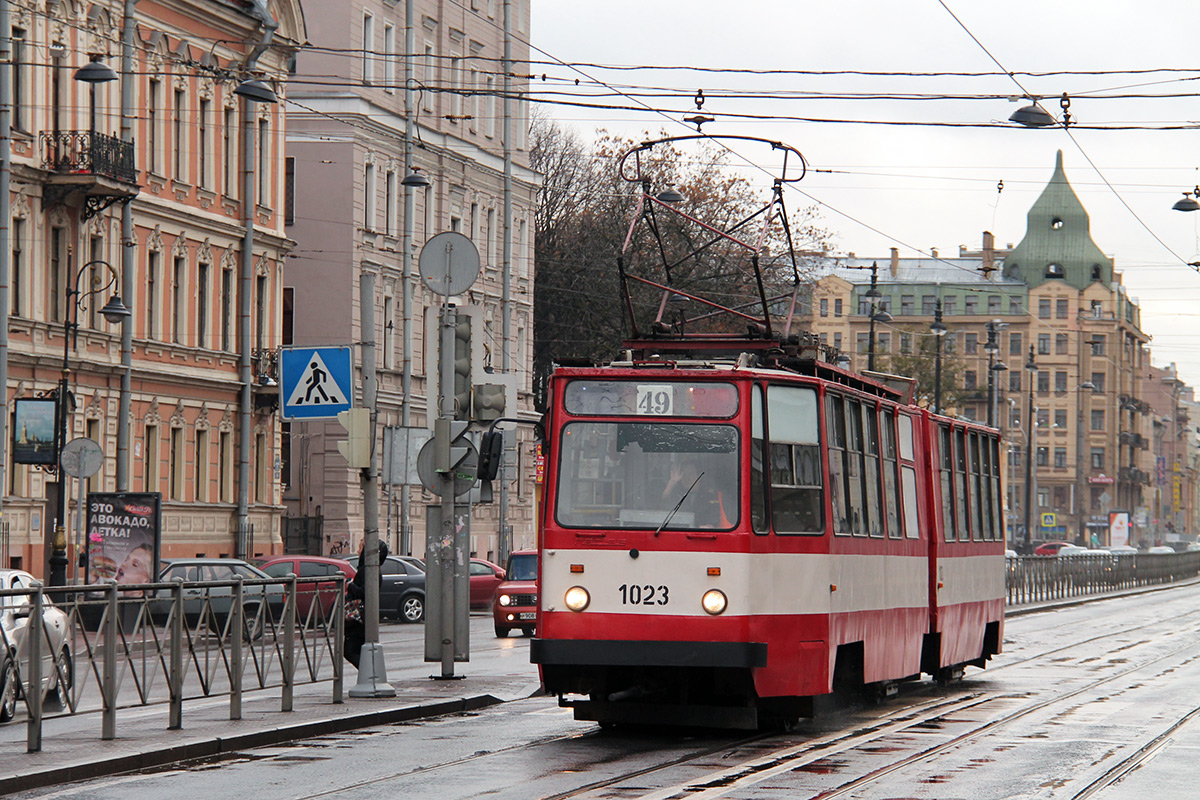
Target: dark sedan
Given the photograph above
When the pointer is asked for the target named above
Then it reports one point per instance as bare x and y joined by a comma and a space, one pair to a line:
403, 591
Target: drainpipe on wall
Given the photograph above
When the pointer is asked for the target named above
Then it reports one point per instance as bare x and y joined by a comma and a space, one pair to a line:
5, 216
268, 26
406, 263
128, 253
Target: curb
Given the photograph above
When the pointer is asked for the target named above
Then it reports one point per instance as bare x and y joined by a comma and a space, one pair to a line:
1079, 600
103, 766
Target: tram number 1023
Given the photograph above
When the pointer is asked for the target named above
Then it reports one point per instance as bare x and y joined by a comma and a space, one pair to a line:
633, 594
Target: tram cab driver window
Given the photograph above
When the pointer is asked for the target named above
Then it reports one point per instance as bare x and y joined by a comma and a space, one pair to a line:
703, 490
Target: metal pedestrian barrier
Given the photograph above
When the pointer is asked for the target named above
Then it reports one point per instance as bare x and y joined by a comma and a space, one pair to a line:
102, 648
1035, 579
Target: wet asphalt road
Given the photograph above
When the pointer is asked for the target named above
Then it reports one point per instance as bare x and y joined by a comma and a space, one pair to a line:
1095, 700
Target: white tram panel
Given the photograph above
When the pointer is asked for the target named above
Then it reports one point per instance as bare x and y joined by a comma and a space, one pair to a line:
970, 579
756, 584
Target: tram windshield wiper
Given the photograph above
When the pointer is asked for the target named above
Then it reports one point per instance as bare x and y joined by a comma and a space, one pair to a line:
677, 505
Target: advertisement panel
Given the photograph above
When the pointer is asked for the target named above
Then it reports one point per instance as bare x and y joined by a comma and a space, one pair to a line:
34, 433
1118, 528
124, 536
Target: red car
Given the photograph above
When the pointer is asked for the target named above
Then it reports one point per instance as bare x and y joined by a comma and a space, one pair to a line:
309, 567
485, 577
516, 600
1049, 548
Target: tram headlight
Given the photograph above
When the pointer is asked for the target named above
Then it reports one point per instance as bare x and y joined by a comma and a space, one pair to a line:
714, 601
577, 598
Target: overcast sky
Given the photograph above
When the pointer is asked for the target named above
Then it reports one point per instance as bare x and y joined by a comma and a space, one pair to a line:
918, 187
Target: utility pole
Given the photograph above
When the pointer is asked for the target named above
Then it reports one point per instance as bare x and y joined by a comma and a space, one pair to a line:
372, 672
504, 534
1030, 430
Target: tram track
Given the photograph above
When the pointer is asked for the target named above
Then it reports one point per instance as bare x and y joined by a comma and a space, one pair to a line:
744, 777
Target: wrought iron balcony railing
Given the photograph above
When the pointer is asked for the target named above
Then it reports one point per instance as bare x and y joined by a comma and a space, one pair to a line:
88, 153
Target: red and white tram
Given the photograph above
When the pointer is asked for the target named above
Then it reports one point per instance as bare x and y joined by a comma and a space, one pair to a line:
722, 543
731, 526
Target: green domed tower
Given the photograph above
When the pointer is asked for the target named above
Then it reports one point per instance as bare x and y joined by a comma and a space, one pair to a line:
1058, 242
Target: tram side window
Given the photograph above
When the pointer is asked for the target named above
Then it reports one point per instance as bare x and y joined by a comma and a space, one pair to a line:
946, 442
960, 486
976, 485
986, 498
797, 497
856, 501
758, 497
891, 496
856, 508
871, 470
835, 428
908, 479
997, 493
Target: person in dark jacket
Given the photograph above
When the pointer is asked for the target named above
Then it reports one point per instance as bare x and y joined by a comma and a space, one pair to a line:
356, 595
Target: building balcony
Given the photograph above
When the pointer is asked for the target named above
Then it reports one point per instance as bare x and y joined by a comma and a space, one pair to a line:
1131, 475
1134, 440
94, 166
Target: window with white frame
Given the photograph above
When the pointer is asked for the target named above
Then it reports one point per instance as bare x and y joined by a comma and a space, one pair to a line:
368, 46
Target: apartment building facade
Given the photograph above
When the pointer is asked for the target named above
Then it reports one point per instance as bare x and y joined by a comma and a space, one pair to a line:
141, 182
1045, 326
356, 131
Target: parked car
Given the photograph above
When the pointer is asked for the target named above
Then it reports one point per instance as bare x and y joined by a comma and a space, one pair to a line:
309, 567
403, 591
1050, 548
419, 563
212, 605
1123, 550
516, 600
485, 578
1161, 549
57, 663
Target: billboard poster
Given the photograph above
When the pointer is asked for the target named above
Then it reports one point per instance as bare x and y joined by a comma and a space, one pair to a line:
34, 429
124, 536
1118, 528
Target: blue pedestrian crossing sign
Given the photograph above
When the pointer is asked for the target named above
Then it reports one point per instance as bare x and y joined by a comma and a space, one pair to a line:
314, 383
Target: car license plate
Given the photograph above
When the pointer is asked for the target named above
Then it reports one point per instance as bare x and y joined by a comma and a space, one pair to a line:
527, 615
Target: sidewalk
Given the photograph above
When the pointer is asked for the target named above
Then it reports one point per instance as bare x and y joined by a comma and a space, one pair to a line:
72, 749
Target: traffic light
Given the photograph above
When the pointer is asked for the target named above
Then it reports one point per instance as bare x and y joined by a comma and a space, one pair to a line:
491, 450
488, 400
462, 367
357, 447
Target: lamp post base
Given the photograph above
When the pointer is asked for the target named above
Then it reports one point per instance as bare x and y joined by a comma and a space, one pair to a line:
372, 674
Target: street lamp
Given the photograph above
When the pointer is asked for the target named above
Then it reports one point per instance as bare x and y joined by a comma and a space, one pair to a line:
938, 329
92, 73
1189, 201
991, 347
114, 311
877, 314
1080, 488
1030, 433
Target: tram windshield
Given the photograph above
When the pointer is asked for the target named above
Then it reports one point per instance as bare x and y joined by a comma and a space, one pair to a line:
642, 475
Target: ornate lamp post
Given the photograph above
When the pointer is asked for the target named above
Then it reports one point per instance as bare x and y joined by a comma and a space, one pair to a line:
938, 329
114, 311
991, 346
1030, 431
877, 315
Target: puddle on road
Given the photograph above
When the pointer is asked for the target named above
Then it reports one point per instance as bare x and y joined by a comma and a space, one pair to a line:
822, 766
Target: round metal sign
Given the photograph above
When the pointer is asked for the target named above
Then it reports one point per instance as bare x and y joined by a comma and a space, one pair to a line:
449, 264
465, 474
82, 458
